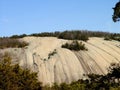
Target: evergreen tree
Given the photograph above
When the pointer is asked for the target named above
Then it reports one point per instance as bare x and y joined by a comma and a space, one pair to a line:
13, 77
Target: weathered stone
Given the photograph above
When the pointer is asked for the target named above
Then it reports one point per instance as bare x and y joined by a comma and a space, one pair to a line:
65, 65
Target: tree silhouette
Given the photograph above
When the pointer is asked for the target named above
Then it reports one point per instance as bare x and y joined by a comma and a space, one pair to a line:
116, 14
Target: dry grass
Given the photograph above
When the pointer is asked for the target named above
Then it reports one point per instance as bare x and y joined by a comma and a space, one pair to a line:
11, 43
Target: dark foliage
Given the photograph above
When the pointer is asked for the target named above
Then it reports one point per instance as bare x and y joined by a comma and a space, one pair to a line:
116, 14
46, 34
107, 82
114, 70
74, 35
81, 35
94, 81
115, 36
107, 38
13, 77
75, 45
18, 36
11, 43
70, 35
52, 53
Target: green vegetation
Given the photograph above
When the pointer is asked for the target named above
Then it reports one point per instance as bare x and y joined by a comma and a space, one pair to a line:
116, 14
18, 36
46, 34
13, 77
74, 35
75, 45
52, 53
63, 86
110, 81
107, 38
114, 36
43, 34
69, 35
11, 43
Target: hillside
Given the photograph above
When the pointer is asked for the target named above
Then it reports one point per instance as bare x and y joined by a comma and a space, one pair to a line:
55, 64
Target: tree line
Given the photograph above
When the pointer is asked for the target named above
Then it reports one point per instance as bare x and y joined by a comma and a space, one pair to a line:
73, 35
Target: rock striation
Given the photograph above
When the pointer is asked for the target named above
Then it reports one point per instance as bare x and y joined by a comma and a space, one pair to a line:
55, 64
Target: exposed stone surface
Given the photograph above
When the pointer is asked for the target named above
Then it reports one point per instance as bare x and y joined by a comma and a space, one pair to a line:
55, 64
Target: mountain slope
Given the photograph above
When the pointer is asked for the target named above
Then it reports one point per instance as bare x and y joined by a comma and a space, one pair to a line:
55, 64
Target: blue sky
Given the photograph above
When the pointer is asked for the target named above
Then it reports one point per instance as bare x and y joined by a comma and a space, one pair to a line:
34, 16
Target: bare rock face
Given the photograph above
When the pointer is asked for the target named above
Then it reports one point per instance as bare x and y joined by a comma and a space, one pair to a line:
55, 64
